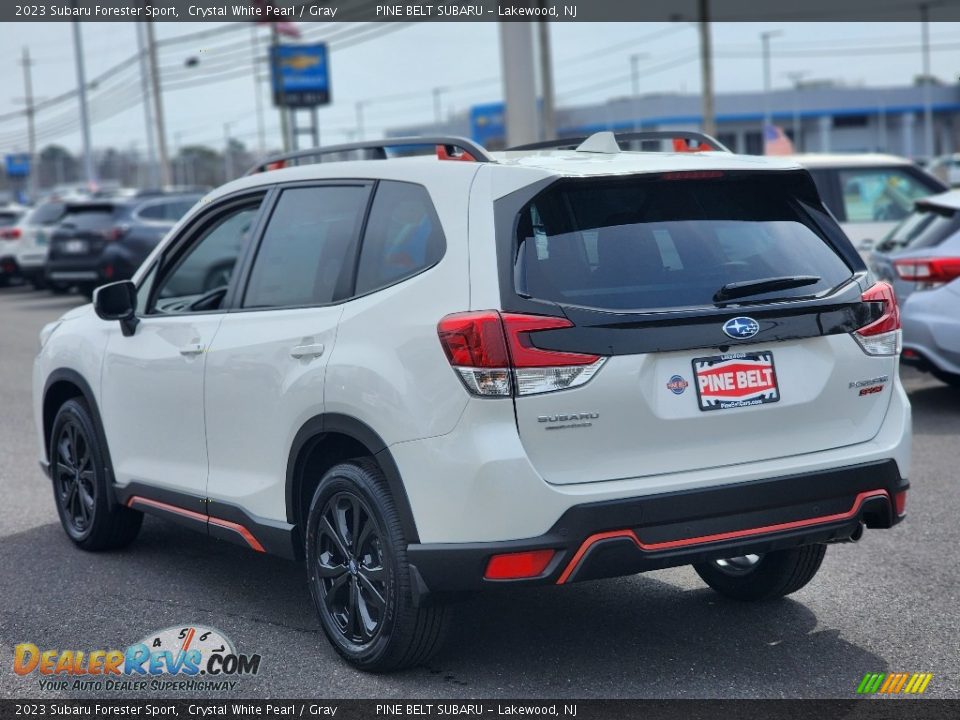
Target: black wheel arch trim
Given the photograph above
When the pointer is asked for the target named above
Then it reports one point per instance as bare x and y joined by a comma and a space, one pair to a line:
86, 392
313, 430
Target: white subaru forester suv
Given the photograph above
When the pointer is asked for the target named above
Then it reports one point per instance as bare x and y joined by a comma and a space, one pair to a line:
430, 375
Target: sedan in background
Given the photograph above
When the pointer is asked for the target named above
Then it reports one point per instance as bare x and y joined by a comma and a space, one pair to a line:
103, 241
931, 327
869, 193
923, 248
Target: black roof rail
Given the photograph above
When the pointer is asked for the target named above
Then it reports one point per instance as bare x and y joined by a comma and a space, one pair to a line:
454, 148
643, 135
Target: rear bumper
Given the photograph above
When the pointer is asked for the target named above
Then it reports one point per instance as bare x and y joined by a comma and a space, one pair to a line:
74, 270
627, 536
9, 266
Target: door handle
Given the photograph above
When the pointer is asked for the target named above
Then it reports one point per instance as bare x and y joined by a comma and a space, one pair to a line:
308, 352
192, 349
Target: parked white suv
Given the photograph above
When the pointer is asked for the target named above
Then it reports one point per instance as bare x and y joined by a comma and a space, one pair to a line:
425, 375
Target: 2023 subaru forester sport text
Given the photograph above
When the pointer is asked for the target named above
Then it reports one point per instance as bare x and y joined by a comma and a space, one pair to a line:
429, 375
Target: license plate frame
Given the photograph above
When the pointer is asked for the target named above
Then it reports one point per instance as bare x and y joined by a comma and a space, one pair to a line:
735, 380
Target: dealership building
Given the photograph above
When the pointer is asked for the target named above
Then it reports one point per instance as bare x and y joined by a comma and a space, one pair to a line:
818, 117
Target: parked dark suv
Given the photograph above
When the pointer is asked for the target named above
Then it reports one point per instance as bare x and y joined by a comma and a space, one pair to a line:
104, 241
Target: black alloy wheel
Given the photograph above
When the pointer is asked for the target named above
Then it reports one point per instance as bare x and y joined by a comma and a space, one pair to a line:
80, 471
350, 572
74, 479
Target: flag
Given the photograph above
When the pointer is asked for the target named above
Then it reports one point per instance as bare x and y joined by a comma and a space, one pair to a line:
289, 29
775, 141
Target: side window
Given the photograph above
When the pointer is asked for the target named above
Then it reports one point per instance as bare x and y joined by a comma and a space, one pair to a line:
198, 280
879, 194
155, 211
309, 241
403, 236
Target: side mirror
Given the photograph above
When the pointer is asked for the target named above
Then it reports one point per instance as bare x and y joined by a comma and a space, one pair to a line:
118, 301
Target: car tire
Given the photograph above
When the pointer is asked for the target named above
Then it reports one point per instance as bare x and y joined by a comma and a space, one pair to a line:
58, 288
79, 474
359, 576
763, 577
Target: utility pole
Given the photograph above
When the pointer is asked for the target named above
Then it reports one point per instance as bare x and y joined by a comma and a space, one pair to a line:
152, 179
438, 104
227, 154
519, 82
549, 114
706, 70
90, 172
767, 82
635, 85
31, 135
257, 96
360, 104
927, 82
158, 106
284, 113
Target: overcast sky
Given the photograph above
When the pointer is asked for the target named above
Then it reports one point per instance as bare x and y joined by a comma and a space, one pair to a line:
394, 70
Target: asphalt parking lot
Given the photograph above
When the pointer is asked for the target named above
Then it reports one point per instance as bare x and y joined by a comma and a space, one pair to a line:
887, 604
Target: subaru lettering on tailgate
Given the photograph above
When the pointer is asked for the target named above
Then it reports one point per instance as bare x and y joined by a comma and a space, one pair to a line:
735, 380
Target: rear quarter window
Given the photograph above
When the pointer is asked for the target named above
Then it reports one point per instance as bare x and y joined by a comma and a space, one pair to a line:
647, 243
403, 236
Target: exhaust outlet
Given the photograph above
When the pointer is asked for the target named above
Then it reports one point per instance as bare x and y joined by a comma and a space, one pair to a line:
857, 534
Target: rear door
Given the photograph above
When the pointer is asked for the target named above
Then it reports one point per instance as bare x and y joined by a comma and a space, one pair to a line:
695, 377
266, 368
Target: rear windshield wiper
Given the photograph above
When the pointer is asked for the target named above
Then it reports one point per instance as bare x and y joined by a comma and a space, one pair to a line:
734, 290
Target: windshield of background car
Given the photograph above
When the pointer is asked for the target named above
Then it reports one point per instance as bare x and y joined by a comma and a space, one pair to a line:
8, 218
668, 241
927, 226
882, 194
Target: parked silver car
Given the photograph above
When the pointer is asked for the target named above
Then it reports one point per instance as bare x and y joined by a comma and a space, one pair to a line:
923, 247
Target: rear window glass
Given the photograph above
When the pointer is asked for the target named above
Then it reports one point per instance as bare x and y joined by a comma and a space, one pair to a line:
925, 227
88, 219
650, 243
46, 214
7, 219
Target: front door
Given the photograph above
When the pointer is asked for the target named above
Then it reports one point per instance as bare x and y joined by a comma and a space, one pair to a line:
152, 388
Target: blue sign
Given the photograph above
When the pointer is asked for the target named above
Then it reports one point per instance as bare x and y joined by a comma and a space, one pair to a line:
487, 125
18, 165
300, 75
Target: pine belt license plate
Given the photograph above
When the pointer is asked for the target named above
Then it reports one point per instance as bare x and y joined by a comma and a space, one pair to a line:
735, 380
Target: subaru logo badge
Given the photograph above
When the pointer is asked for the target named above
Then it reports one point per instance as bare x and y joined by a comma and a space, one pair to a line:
741, 328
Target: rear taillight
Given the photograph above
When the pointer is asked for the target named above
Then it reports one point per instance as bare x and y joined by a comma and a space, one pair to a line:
928, 272
10, 233
494, 356
115, 233
881, 336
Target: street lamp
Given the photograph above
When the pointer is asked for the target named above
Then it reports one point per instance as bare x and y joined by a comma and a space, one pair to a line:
765, 41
